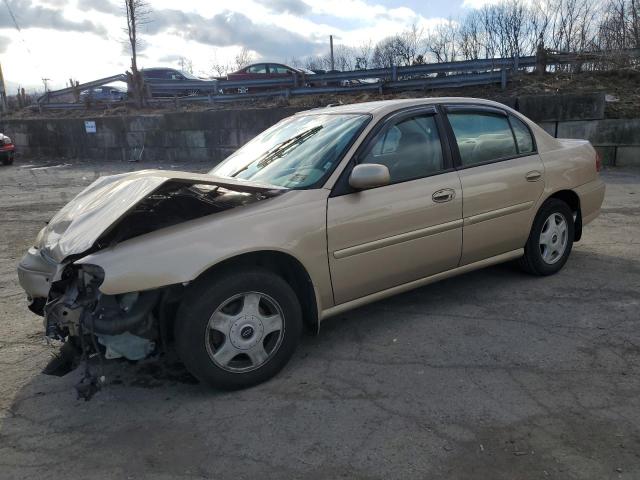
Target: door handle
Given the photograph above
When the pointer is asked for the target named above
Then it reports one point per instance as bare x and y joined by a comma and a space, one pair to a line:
444, 195
533, 176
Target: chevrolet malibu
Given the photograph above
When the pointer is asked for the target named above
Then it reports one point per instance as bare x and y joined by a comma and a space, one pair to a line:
326, 211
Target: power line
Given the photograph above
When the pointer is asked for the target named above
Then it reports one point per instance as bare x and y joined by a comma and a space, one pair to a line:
21, 35
15, 23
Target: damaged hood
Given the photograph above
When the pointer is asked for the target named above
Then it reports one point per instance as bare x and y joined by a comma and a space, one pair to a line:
80, 223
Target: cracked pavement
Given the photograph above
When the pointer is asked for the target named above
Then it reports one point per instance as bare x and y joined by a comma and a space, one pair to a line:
490, 375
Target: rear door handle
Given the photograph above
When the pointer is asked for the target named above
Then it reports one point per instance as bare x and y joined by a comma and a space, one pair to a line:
533, 176
444, 195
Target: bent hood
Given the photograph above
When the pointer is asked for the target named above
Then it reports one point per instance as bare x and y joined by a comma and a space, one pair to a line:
80, 223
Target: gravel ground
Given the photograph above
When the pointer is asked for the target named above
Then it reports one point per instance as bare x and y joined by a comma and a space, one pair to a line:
491, 375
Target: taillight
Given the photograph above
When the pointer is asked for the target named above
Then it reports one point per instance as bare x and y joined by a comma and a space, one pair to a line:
598, 162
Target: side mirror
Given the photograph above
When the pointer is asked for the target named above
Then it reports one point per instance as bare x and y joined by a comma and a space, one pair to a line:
369, 175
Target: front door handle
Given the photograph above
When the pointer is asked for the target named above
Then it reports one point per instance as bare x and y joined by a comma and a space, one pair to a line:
533, 176
444, 195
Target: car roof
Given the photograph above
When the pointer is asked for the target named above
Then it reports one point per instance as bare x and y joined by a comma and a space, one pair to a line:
384, 107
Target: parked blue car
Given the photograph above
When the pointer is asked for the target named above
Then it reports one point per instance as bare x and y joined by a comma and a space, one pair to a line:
103, 94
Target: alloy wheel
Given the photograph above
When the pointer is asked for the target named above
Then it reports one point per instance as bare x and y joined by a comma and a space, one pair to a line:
553, 238
244, 332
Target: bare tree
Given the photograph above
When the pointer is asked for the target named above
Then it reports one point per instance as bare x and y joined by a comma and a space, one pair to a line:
218, 68
243, 58
620, 25
405, 48
138, 12
470, 36
363, 58
186, 64
442, 42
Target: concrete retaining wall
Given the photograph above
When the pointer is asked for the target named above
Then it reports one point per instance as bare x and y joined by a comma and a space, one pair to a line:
212, 135
208, 136
617, 140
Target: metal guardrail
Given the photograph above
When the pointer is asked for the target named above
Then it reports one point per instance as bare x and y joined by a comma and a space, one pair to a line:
434, 75
95, 83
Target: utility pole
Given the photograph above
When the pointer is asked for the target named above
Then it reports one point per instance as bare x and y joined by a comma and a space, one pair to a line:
4, 107
45, 82
333, 65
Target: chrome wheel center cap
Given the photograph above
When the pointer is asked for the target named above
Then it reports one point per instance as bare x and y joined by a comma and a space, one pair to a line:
246, 332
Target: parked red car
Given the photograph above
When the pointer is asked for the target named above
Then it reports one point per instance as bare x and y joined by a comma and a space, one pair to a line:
270, 71
7, 150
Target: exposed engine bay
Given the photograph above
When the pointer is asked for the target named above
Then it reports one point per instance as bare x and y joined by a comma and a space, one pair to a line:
172, 203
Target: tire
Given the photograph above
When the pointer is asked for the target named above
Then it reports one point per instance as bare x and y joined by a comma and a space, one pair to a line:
223, 321
7, 160
550, 240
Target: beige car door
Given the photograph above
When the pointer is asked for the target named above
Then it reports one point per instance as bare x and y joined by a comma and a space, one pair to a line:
409, 229
502, 178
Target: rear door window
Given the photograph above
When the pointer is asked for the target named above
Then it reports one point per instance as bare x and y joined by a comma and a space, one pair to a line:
279, 70
261, 68
482, 137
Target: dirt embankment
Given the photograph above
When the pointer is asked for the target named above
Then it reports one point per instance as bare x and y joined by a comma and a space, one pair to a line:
622, 88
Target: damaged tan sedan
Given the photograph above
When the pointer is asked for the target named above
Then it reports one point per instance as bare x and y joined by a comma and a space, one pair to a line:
328, 210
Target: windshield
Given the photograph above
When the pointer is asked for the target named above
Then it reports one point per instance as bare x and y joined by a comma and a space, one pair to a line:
188, 75
298, 152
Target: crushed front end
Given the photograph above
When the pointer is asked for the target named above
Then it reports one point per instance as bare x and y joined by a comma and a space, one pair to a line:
104, 216
74, 309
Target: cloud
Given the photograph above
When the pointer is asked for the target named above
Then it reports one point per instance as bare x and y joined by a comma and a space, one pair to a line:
172, 58
294, 7
478, 3
56, 3
29, 15
103, 6
229, 29
4, 43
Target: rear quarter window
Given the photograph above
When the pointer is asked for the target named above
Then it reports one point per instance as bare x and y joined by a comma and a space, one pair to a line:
524, 140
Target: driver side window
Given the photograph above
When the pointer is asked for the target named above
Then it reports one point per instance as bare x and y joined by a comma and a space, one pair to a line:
410, 149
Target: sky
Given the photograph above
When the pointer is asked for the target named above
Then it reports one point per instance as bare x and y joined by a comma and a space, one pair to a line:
85, 39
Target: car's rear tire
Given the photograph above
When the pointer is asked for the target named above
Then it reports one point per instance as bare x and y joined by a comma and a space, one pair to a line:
550, 240
239, 329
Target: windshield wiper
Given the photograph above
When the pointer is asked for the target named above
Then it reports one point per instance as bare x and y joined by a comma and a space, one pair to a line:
281, 149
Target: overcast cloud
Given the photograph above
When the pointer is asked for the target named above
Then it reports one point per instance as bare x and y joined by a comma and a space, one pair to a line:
294, 7
104, 6
30, 15
232, 28
84, 39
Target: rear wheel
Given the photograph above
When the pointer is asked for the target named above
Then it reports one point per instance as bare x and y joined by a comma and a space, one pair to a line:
239, 329
550, 240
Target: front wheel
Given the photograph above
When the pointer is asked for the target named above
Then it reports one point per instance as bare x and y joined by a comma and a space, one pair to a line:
238, 329
550, 240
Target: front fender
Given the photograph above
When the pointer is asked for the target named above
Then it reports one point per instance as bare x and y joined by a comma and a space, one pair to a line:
293, 224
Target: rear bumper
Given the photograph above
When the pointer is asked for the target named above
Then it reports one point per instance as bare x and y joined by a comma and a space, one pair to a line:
6, 155
591, 197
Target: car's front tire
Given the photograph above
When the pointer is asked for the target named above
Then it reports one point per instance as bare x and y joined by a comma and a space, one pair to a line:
550, 240
235, 330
